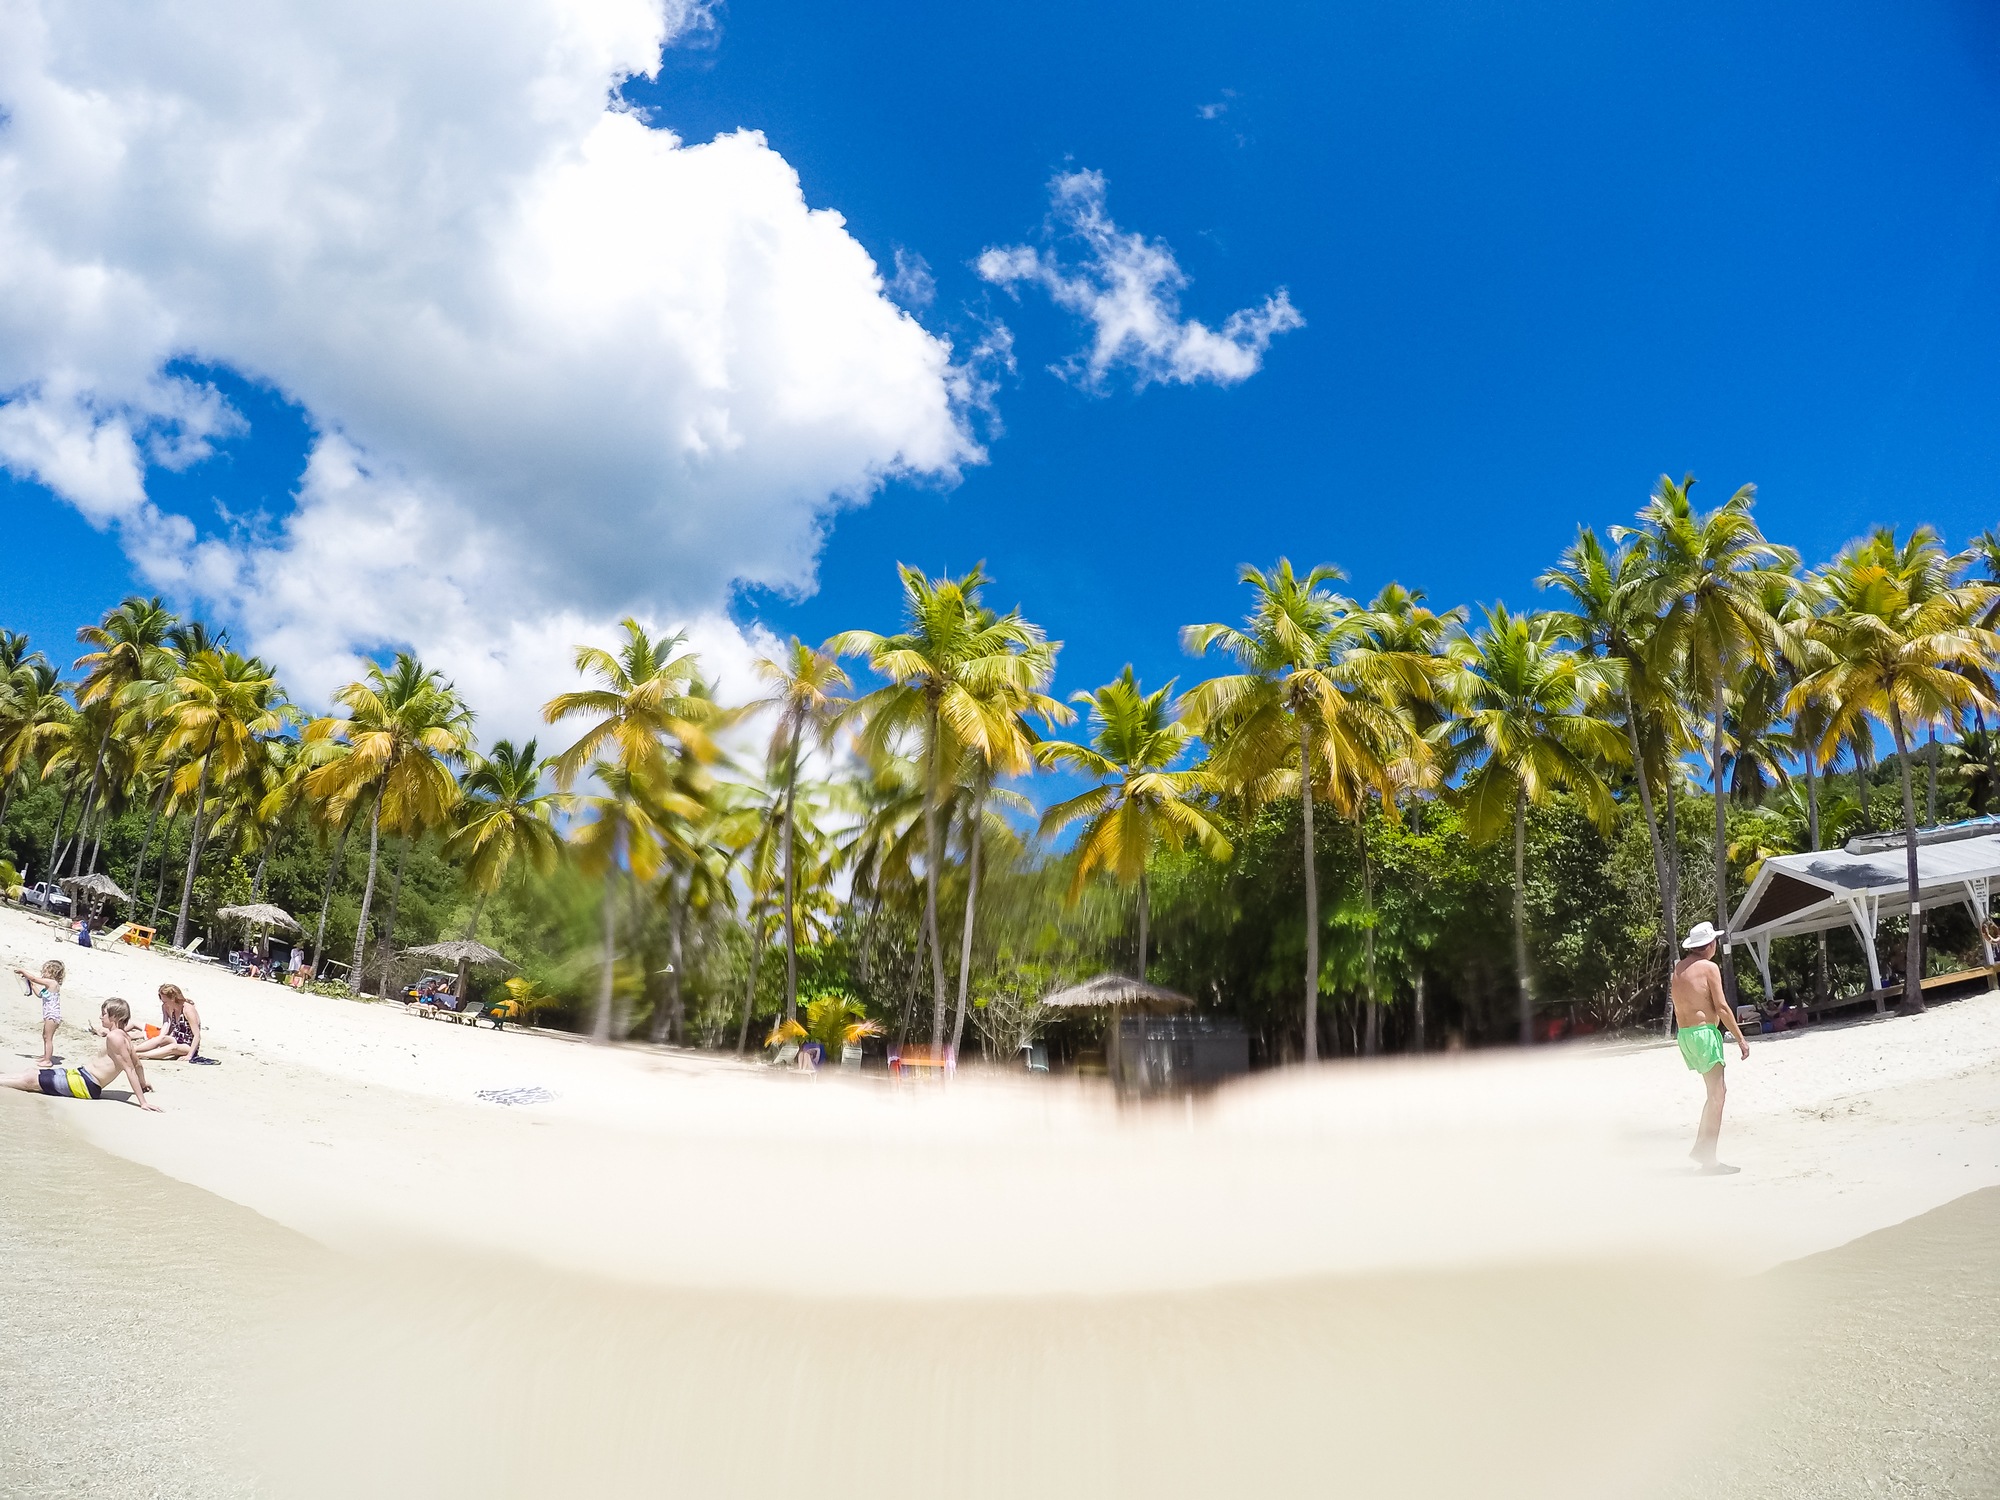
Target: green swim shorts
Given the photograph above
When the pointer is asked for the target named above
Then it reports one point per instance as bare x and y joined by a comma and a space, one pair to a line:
1702, 1047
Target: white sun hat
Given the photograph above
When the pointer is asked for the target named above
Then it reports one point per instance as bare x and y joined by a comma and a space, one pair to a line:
1701, 935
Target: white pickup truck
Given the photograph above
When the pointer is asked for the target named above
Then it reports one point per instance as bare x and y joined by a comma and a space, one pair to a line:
48, 897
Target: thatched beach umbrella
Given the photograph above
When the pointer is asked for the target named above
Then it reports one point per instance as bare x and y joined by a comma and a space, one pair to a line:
465, 953
263, 916
99, 888
1115, 991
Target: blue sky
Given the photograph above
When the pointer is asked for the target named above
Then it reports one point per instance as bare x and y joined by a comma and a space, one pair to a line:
1542, 254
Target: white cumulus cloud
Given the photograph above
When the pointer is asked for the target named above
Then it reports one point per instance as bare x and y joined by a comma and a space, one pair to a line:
1128, 288
559, 365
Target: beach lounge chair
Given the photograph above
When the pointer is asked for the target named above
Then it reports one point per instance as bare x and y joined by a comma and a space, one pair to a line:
470, 1015
785, 1056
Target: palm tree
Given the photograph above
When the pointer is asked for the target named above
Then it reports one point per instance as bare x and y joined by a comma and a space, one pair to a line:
806, 686
406, 731
503, 815
649, 714
1902, 644
1296, 720
28, 704
224, 705
949, 673
1141, 802
1719, 577
1530, 723
130, 646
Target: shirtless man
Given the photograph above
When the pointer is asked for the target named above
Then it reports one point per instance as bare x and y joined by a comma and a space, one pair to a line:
1699, 1003
89, 1080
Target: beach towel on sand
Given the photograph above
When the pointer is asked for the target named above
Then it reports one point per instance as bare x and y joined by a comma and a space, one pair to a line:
516, 1096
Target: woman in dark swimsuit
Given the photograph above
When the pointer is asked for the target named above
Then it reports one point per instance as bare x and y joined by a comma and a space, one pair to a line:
180, 1028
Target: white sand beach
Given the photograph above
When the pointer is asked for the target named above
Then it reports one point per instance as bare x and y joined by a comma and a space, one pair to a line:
687, 1246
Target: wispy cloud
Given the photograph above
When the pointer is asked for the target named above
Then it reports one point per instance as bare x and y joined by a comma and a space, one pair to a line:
1128, 288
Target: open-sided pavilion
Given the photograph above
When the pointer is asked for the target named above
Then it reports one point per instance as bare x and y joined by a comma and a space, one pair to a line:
1862, 884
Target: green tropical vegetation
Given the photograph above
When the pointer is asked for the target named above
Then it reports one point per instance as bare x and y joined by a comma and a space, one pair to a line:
1377, 826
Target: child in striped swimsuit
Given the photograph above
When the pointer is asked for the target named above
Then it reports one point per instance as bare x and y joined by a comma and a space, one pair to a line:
89, 1080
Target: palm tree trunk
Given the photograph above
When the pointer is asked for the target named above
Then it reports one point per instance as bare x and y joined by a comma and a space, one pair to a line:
90, 797
971, 915
750, 990
1812, 837
62, 816
194, 842
97, 843
1913, 959
1527, 985
478, 906
1930, 775
790, 835
367, 889
152, 818
6, 798
1722, 955
1417, 984
1372, 1041
676, 963
326, 898
160, 880
1861, 789
263, 864
1312, 898
1145, 915
600, 1030
395, 904
931, 856
1661, 879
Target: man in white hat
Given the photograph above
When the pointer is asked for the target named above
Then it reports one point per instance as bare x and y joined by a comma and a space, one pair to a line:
1699, 1004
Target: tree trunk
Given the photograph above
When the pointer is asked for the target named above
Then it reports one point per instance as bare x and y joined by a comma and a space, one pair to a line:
971, 915
1930, 775
326, 899
160, 880
367, 889
1527, 985
7, 798
1861, 789
676, 962
90, 797
600, 1030
1812, 837
395, 905
1417, 984
194, 843
1913, 961
62, 817
932, 853
750, 990
1372, 1042
152, 818
478, 906
1722, 954
1662, 880
789, 834
1145, 916
263, 864
1312, 898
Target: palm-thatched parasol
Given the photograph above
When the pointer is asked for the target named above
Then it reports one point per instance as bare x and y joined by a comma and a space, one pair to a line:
1117, 991
263, 916
465, 953
97, 887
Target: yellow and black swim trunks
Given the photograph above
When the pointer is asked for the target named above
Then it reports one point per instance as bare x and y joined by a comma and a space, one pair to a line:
70, 1083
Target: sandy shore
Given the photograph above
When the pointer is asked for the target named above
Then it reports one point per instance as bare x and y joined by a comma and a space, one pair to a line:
359, 1126
682, 1274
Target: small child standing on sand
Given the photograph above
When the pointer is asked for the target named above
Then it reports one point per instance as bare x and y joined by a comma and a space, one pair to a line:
47, 987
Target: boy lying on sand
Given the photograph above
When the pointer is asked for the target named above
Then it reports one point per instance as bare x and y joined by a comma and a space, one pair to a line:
89, 1080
